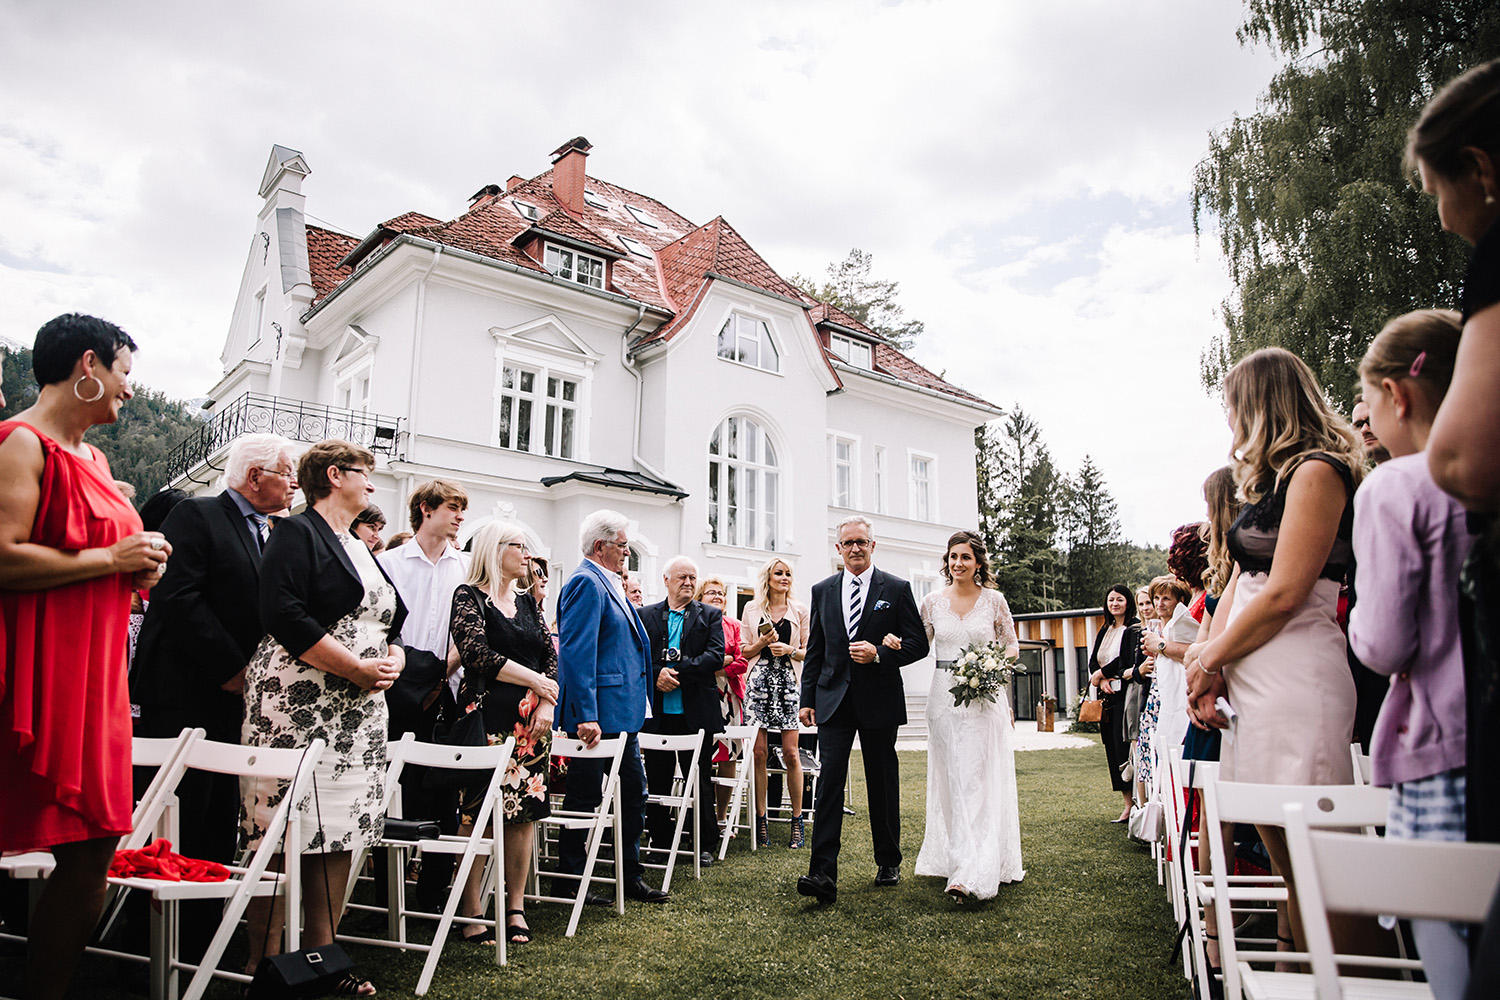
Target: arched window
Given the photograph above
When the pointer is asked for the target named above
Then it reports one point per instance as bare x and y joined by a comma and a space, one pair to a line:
743, 486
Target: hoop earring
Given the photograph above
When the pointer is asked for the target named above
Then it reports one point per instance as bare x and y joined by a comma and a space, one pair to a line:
91, 399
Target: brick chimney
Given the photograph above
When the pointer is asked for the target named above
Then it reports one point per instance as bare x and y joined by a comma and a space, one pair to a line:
515, 179
567, 174
484, 196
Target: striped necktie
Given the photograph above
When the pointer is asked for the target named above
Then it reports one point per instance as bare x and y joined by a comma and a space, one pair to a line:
856, 605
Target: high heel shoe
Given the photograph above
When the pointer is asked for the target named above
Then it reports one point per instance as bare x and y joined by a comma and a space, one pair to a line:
762, 833
798, 835
1215, 972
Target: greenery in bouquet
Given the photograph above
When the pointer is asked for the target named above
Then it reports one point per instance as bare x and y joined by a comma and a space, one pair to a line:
979, 672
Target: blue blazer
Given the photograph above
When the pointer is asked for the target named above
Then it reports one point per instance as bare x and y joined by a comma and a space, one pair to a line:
603, 655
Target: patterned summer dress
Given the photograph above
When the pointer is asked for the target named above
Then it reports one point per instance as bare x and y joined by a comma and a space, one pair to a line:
289, 703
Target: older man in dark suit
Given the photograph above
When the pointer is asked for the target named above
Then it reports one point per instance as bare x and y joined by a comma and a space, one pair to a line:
687, 652
851, 683
202, 625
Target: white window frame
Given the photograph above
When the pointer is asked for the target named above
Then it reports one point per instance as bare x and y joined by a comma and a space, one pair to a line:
514, 348
546, 411
354, 372
763, 336
595, 200
756, 486
914, 511
257, 317
854, 353
526, 210
882, 475
571, 270
850, 466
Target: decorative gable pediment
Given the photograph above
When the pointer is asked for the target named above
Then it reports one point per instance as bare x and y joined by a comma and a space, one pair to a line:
547, 335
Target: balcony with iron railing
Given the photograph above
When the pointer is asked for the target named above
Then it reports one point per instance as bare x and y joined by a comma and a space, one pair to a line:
256, 413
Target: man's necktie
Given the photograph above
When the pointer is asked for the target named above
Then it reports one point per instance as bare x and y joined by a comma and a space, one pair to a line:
856, 605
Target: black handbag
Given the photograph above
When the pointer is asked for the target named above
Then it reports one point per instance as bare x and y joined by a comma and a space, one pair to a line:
465, 730
411, 830
307, 972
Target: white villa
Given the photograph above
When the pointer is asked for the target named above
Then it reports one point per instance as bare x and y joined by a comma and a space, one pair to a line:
566, 344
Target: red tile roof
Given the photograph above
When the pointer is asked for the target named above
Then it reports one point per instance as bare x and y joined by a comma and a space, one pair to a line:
686, 258
325, 248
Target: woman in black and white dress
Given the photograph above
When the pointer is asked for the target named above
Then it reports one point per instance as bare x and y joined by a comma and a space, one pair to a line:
333, 619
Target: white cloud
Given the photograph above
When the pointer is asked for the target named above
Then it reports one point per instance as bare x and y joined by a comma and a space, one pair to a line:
1021, 168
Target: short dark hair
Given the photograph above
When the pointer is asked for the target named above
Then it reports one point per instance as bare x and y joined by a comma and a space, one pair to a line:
981, 557
312, 471
158, 505
1187, 556
432, 495
1130, 614
1464, 113
62, 341
371, 515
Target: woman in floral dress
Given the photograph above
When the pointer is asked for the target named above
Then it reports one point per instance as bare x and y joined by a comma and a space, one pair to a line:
506, 650
775, 632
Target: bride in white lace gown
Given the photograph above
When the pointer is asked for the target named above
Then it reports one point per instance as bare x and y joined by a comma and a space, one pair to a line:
973, 836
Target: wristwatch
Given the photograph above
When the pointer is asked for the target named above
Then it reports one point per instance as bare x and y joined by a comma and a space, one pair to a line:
1161, 645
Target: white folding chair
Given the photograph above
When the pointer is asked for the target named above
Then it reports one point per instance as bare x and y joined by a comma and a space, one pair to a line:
741, 786
1430, 880
469, 847
1361, 761
811, 769
592, 824
684, 798
282, 837
1346, 806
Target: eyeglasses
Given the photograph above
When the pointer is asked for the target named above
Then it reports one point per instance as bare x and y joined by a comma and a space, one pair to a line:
355, 468
516, 545
619, 545
283, 473
855, 543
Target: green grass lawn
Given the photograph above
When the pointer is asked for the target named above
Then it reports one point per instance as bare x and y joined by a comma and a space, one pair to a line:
1088, 921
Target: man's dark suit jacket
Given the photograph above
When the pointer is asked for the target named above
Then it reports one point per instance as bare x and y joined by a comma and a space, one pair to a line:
203, 620
830, 677
702, 658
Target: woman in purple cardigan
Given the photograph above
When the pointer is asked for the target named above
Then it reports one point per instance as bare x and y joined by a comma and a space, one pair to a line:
1409, 541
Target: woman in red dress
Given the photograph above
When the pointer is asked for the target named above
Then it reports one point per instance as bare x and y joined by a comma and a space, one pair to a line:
71, 551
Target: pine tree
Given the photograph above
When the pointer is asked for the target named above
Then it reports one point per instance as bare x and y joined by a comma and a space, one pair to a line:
872, 301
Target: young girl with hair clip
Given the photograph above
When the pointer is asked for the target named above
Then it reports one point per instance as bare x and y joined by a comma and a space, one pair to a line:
1409, 540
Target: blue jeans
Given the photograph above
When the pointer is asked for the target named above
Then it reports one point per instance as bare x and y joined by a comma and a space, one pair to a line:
585, 793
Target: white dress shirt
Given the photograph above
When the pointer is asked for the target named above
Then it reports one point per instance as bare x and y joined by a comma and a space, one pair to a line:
847, 592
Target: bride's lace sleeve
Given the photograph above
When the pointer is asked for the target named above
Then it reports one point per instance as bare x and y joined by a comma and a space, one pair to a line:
1005, 625
927, 615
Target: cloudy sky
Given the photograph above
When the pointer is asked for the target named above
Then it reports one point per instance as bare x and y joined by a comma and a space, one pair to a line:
1023, 169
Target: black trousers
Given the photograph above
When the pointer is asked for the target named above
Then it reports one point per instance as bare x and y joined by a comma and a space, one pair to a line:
882, 781
660, 768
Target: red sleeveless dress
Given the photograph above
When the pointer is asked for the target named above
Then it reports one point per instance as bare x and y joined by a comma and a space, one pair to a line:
64, 701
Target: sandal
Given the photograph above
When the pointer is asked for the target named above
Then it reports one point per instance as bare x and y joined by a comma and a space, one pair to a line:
958, 892
762, 832
352, 986
799, 836
1215, 972
516, 933
486, 935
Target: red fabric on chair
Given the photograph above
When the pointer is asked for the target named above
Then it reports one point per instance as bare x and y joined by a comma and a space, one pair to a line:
157, 860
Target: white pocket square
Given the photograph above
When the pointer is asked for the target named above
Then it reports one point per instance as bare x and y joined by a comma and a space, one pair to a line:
882, 605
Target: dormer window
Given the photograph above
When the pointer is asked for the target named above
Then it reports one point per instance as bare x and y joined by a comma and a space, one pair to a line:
570, 265
635, 246
748, 341
850, 351
594, 200
527, 211
643, 217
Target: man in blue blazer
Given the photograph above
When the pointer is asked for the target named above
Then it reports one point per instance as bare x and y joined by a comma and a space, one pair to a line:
865, 627
602, 667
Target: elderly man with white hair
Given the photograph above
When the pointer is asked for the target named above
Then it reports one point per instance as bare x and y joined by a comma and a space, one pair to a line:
687, 652
200, 629
602, 665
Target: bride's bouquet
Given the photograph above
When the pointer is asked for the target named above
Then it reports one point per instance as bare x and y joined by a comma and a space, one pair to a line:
980, 671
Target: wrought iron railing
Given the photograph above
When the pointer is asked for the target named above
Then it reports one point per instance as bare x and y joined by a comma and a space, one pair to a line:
254, 413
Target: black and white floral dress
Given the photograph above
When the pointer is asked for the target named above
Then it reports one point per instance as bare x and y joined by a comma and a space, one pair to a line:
289, 703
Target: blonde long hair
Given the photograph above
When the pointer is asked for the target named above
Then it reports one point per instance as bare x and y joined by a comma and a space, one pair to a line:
1223, 508
488, 545
1279, 418
762, 597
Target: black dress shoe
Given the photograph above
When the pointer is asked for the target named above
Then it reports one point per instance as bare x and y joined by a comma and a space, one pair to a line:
643, 893
888, 875
820, 887
592, 898
705, 859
